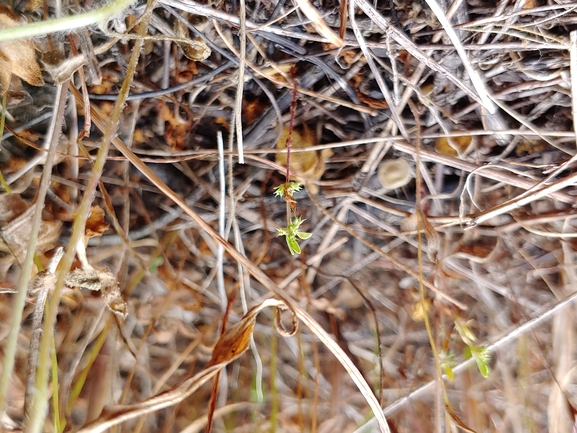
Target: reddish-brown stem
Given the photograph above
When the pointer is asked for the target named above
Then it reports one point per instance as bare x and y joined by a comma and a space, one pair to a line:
289, 140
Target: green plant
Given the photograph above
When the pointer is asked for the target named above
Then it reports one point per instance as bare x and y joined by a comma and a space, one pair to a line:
447, 359
480, 354
292, 232
286, 191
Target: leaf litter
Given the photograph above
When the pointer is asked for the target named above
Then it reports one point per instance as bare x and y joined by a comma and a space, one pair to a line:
495, 208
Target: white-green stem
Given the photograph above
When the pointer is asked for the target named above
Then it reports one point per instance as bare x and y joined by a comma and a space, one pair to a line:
42, 28
20, 299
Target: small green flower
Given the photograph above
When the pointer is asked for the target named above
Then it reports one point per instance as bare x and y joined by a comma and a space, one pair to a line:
287, 189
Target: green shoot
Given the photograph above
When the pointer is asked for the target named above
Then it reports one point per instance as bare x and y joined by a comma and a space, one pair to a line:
482, 358
447, 364
480, 354
292, 232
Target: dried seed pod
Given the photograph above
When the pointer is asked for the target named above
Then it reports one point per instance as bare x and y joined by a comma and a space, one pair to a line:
394, 173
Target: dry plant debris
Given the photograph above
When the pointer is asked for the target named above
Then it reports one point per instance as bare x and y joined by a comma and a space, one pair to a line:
434, 234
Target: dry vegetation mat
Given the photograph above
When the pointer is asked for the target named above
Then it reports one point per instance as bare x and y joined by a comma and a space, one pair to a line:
288, 216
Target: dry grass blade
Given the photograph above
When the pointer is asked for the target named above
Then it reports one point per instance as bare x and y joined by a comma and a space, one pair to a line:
573, 56
99, 16
410, 46
473, 74
319, 23
38, 408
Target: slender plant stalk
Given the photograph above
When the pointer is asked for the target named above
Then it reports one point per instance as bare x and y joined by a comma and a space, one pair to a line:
57, 422
273, 389
420, 229
42, 28
2, 123
289, 142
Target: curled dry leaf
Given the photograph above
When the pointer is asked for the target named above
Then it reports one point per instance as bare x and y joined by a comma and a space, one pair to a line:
477, 249
309, 164
95, 224
231, 345
100, 280
176, 129
234, 342
193, 49
17, 57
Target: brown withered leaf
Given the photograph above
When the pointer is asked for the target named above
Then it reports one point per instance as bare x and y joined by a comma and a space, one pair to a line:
17, 57
176, 129
96, 225
11, 205
193, 49
252, 109
478, 249
235, 341
16, 225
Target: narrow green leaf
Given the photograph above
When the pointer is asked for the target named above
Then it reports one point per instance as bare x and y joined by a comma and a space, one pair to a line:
293, 245
483, 368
